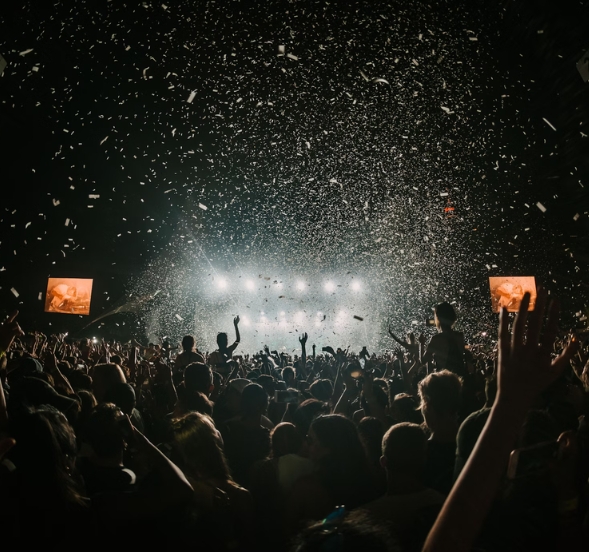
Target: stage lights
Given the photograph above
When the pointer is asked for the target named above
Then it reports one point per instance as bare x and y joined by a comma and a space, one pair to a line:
222, 283
329, 287
301, 286
356, 286
249, 284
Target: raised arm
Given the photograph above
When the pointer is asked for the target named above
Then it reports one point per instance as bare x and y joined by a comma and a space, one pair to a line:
236, 326
525, 369
303, 341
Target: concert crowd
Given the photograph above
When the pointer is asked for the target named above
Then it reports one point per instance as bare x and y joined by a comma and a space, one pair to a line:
434, 445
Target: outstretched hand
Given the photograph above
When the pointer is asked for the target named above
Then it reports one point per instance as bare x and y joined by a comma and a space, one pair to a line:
236, 321
525, 366
303, 339
8, 331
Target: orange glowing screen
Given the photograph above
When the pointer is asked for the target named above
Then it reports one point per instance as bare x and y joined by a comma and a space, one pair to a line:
68, 295
508, 291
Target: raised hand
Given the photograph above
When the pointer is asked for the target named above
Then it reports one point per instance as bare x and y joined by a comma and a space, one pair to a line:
8, 331
236, 321
303, 339
525, 365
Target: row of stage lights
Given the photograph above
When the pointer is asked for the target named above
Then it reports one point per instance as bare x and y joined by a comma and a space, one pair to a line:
250, 285
298, 319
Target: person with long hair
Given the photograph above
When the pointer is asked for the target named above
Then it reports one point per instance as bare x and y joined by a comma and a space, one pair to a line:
222, 506
342, 476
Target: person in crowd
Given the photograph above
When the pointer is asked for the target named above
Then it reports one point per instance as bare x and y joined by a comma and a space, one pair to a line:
343, 476
220, 359
189, 355
440, 395
246, 439
409, 507
446, 348
224, 509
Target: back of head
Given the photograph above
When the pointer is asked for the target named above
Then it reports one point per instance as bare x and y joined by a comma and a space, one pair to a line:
123, 395
197, 447
288, 373
194, 401
344, 464
371, 432
268, 383
254, 400
103, 431
445, 315
322, 390
104, 377
286, 439
404, 448
188, 343
306, 412
441, 392
46, 447
222, 340
198, 377
404, 408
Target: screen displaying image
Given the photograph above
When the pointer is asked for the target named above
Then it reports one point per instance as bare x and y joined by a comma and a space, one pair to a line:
508, 291
68, 295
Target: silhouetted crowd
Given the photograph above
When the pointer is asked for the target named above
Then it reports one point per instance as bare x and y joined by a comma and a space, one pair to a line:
435, 445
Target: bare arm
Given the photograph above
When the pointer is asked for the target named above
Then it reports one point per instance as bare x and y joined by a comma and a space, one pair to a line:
525, 369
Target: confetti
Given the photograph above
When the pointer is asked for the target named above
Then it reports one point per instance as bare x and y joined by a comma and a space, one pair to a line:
25, 52
14, 292
541, 207
191, 97
549, 124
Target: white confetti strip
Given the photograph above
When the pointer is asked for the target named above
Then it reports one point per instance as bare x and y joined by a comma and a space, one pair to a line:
15, 293
549, 124
25, 52
541, 207
179, 317
203, 207
191, 97
576, 217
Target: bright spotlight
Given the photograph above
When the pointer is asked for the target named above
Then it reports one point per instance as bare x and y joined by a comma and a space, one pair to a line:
222, 283
299, 317
282, 313
356, 286
301, 286
245, 320
329, 287
250, 285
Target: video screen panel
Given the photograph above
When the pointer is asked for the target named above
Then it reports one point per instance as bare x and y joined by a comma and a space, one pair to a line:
69, 295
508, 291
